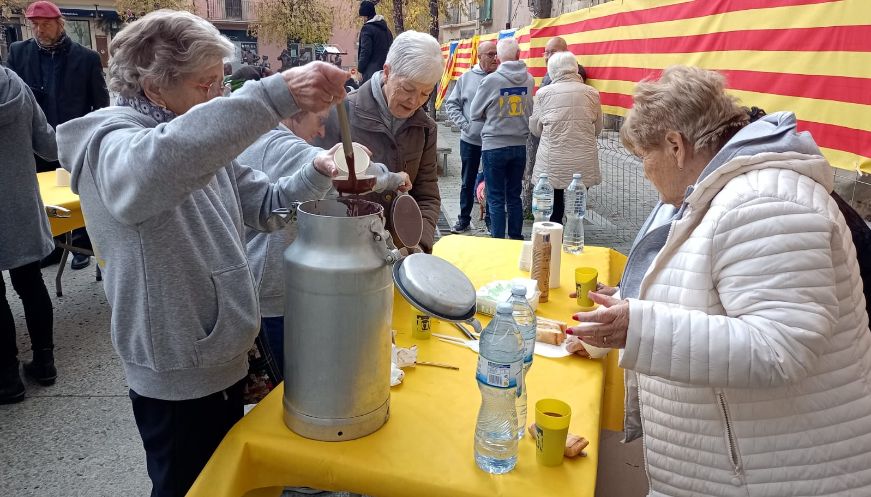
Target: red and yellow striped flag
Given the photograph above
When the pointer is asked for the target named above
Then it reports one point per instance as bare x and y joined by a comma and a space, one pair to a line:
811, 57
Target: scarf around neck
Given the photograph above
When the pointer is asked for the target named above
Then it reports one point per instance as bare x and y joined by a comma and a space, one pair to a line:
142, 105
62, 40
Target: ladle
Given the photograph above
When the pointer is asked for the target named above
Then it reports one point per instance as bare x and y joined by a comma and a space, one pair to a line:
352, 184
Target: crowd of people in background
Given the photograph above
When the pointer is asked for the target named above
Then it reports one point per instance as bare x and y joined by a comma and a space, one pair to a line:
746, 266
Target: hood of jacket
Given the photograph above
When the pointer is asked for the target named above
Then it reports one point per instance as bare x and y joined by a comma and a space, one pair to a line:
514, 71
13, 96
379, 22
749, 149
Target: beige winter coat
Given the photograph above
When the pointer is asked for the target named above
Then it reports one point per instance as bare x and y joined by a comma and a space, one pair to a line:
568, 118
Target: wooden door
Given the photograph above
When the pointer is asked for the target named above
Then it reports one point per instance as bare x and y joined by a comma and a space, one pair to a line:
103, 49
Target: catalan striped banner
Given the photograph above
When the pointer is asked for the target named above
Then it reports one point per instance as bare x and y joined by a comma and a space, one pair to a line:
811, 57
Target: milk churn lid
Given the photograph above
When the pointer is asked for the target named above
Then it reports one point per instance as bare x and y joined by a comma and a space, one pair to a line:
435, 286
406, 221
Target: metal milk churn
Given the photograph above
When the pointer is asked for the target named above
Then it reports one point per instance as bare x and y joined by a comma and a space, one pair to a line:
338, 309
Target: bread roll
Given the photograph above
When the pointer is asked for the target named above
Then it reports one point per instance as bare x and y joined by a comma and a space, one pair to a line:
548, 331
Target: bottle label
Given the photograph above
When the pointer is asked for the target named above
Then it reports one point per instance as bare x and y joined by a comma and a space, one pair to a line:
528, 350
499, 375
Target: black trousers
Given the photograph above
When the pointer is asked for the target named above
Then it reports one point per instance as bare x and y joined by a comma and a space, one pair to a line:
180, 436
559, 206
38, 312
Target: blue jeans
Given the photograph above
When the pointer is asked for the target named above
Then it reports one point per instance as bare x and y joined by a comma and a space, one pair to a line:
272, 330
503, 171
470, 156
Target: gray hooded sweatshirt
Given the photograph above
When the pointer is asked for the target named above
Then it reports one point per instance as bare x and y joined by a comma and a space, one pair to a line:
773, 133
167, 207
459, 105
504, 103
23, 131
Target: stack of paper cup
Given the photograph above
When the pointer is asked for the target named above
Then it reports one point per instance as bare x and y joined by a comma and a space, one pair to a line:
525, 262
62, 177
556, 243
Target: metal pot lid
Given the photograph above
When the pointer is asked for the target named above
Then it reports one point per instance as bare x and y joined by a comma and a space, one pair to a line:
406, 221
436, 286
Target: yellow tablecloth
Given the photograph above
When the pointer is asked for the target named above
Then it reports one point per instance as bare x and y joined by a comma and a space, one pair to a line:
60, 196
426, 448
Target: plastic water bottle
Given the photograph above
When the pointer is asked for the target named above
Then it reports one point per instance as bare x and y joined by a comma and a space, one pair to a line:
576, 209
500, 379
524, 316
542, 199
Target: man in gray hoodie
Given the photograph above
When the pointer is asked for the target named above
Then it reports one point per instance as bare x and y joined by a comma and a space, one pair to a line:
504, 104
458, 105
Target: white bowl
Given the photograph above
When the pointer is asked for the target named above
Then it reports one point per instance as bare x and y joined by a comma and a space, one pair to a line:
361, 160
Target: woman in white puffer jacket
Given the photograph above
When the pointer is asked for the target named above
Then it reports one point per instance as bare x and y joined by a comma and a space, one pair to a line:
746, 341
568, 118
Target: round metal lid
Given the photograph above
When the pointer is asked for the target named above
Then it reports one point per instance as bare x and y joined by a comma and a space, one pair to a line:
406, 221
436, 286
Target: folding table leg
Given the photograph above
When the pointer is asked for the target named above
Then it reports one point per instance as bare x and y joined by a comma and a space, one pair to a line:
62, 264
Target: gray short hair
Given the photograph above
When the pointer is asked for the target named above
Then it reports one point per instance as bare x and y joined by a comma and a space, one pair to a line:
416, 56
689, 100
507, 49
562, 63
163, 47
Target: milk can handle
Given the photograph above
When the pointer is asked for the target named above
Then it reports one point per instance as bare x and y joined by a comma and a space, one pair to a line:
379, 234
287, 214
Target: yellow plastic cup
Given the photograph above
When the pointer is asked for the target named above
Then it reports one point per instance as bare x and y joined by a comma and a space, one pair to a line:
586, 280
421, 327
552, 419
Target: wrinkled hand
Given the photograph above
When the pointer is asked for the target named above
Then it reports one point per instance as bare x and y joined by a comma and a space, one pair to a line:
575, 346
387, 181
316, 85
613, 323
325, 162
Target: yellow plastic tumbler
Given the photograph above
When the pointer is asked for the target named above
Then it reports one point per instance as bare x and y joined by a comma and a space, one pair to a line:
586, 279
422, 326
552, 419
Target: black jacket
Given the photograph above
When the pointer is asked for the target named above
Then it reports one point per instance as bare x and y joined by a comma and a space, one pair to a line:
79, 85
375, 40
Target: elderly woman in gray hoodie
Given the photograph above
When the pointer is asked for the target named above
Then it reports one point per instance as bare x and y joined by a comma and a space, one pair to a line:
167, 207
26, 235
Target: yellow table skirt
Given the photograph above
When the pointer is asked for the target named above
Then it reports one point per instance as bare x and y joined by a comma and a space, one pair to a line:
60, 196
426, 447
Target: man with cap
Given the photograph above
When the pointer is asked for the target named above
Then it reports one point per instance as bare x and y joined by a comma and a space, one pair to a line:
66, 79
375, 41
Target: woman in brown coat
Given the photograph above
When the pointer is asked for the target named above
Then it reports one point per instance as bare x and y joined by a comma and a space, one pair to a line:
387, 117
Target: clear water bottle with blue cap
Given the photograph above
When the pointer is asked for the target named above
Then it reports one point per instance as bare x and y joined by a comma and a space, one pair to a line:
500, 379
576, 210
524, 316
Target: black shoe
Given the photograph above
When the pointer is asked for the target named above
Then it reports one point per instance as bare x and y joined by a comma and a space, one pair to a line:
80, 261
41, 369
460, 228
11, 387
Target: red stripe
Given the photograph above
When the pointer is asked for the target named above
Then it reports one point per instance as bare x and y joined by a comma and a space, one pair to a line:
681, 11
461, 65
855, 141
837, 88
820, 39
615, 99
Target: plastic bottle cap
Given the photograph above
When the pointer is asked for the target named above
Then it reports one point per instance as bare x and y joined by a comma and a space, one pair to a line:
504, 308
542, 175
576, 175
519, 291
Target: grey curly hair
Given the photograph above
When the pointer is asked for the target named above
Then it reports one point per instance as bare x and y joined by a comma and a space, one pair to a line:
163, 47
689, 100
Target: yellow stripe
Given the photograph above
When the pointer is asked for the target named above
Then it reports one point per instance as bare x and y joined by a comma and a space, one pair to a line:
816, 110
846, 13
606, 9
847, 160
848, 64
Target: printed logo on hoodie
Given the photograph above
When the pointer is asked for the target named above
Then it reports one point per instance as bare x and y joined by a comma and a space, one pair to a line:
512, 97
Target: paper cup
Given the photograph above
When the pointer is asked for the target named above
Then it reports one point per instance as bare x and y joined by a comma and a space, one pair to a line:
361, 160
552, 419
525, 262
62, 177
421, 326
586, 279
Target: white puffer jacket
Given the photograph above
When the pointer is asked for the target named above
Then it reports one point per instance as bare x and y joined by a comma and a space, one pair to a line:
751, 341
568, 118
